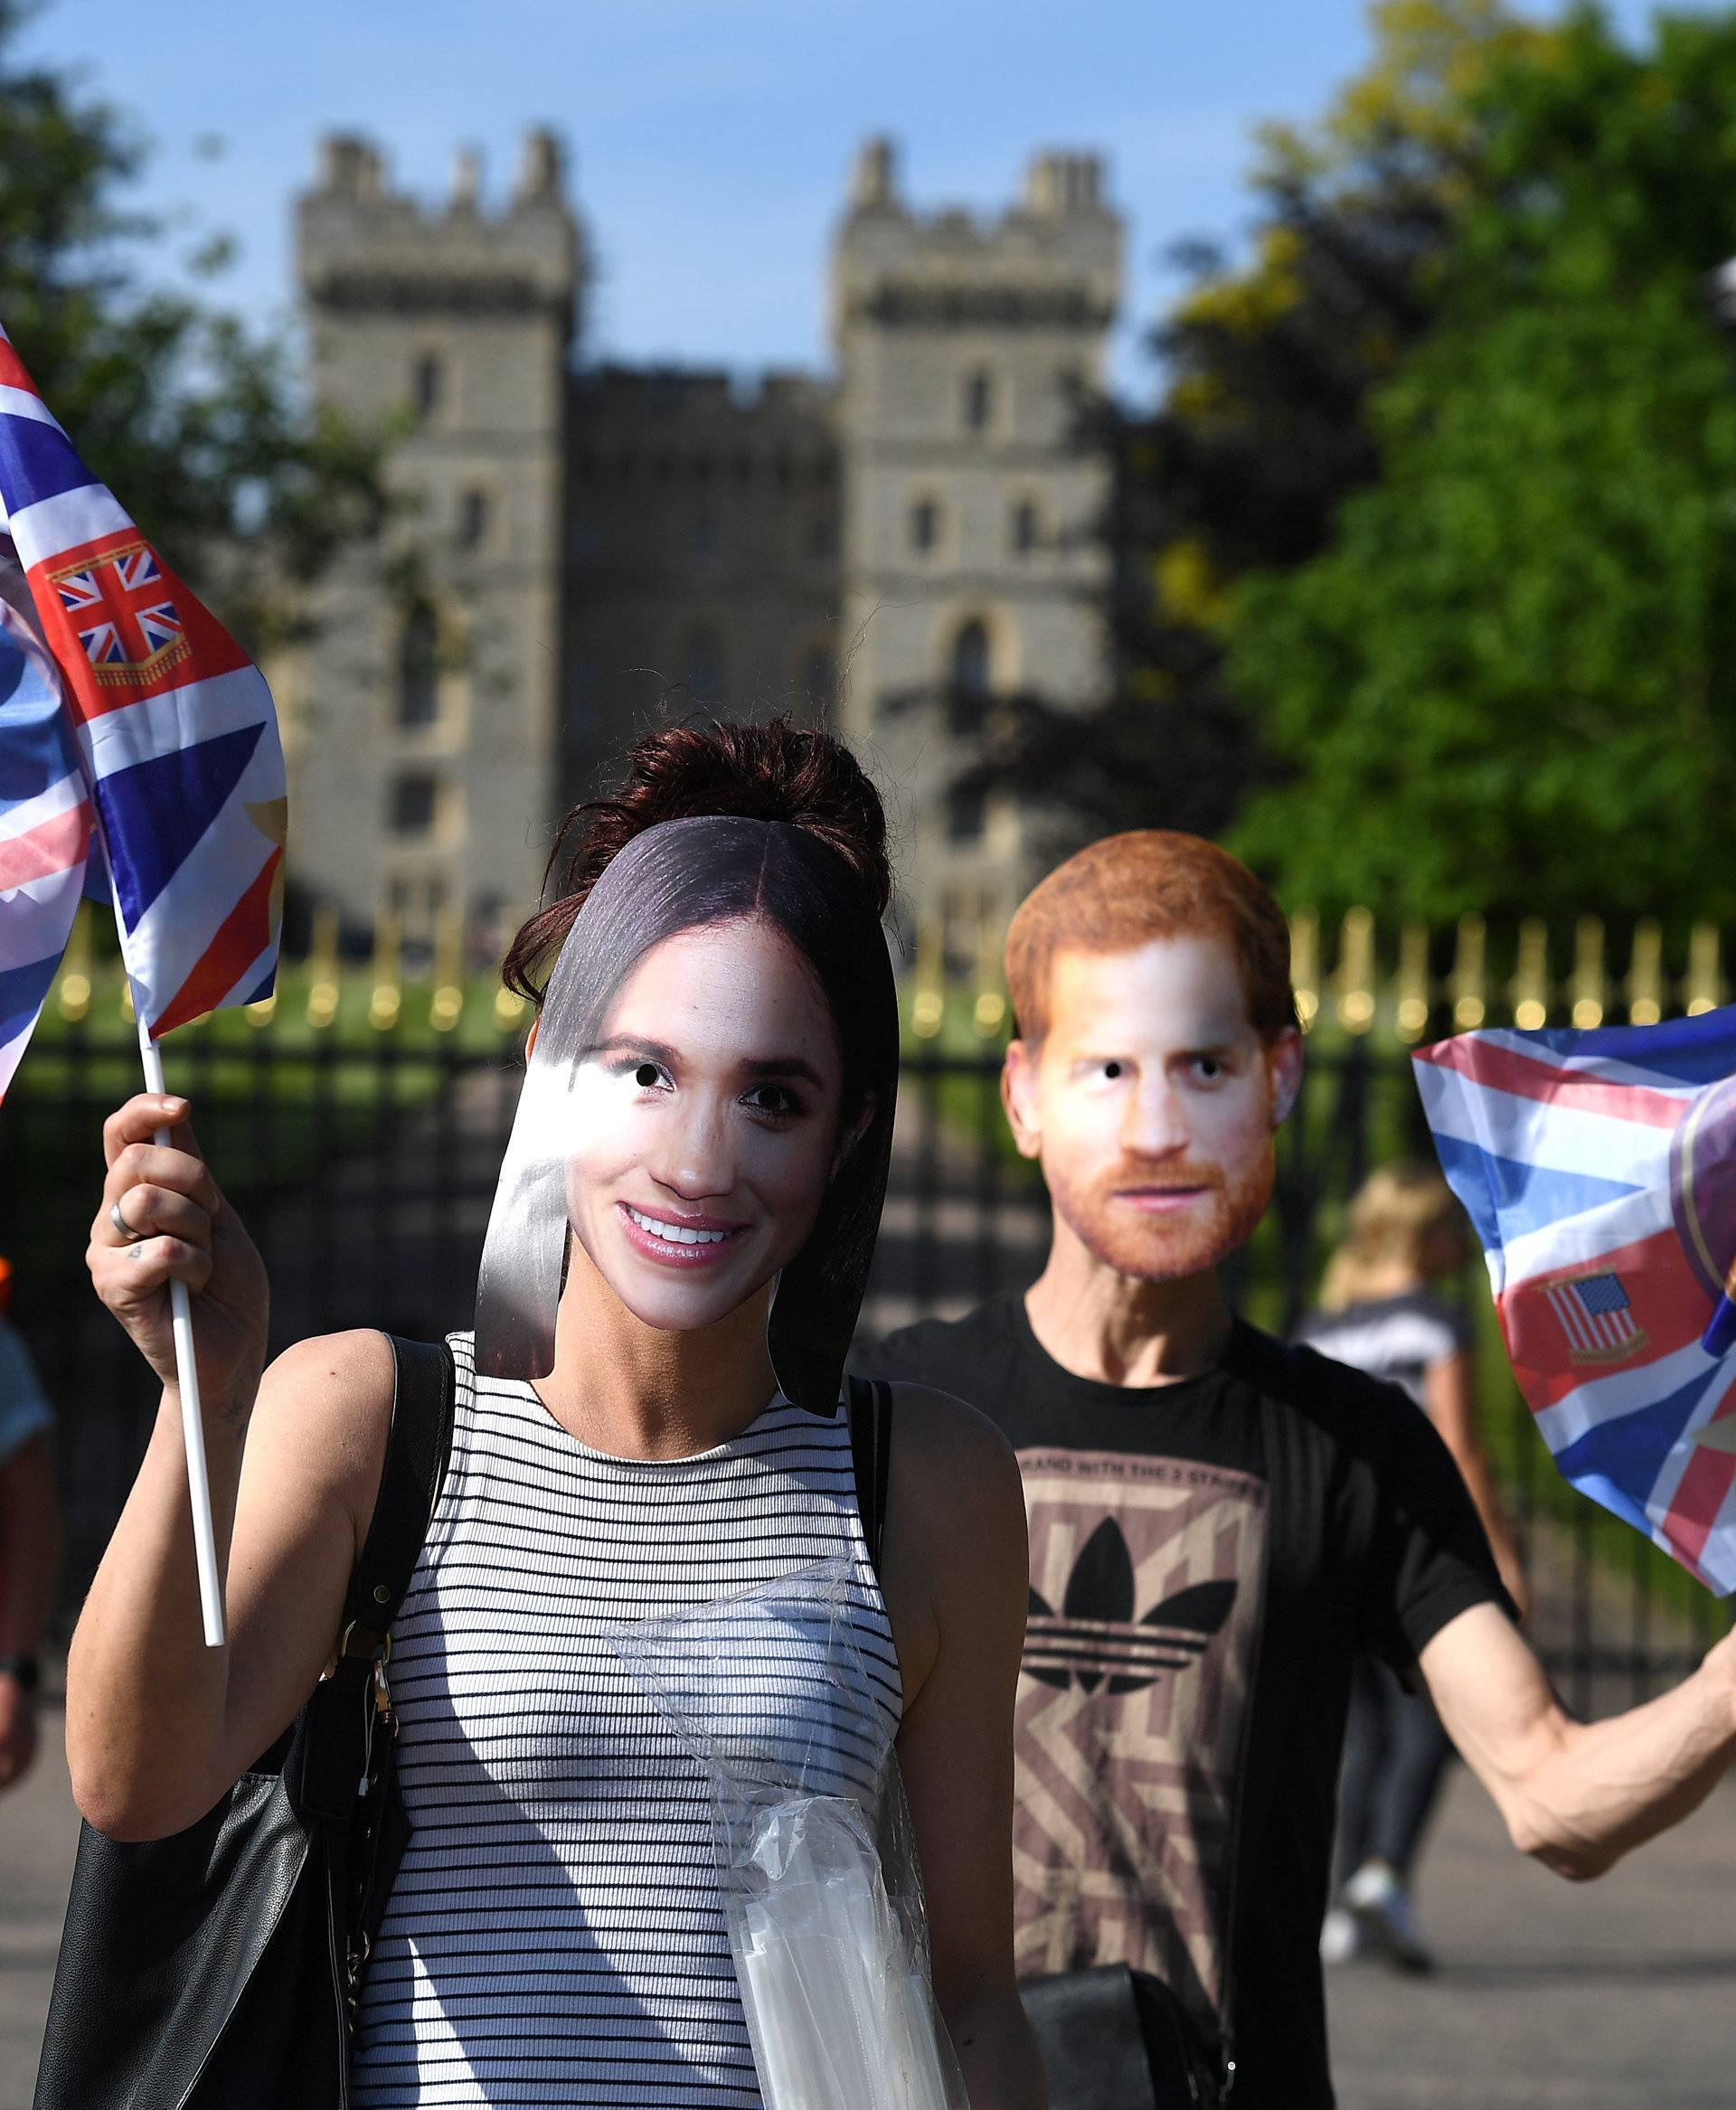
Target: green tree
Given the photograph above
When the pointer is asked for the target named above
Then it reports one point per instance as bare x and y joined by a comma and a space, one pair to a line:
1263, 428
1510, 682
191, 418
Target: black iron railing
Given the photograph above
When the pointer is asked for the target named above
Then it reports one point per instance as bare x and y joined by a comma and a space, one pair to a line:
365, 1163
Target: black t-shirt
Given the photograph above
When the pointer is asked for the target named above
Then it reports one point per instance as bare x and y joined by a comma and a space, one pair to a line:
1161, 1678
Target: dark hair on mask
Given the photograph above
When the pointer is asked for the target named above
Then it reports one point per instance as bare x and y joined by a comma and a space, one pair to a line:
769, 823
773, 772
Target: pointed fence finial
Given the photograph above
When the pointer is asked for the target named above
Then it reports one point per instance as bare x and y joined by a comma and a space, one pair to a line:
1529, 988
1411, 1016
388, 998
1589, 989
1354, 981
1467, 984
1704, 988
323, 966
1305, 964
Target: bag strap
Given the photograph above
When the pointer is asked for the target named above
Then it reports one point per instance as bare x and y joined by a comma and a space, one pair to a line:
416, 1449
870, 1452
338, 1720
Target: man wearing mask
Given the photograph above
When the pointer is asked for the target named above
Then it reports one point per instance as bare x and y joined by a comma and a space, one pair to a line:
1220, 1524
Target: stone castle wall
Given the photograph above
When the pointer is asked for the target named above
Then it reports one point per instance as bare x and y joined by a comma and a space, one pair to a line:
580, 547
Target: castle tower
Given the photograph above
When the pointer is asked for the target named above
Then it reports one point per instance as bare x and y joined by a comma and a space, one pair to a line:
972, 564
420, 719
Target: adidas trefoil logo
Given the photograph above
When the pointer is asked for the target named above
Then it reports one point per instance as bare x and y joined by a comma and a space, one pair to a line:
1095, 1641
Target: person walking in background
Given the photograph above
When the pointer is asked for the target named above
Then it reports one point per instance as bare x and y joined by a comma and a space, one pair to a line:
30, 1543
1381, 1312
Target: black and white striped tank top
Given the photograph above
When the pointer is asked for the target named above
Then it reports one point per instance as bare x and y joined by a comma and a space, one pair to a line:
555, 1935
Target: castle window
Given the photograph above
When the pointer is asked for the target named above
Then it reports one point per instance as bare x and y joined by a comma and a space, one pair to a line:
415, 797
966, 805
419, 667
1025, 528
979, 401
970, 659
473, 519
925, 526
822, 537
427, 385
705, 666
967, 694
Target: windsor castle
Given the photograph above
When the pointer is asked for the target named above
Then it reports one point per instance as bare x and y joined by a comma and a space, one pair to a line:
888, 546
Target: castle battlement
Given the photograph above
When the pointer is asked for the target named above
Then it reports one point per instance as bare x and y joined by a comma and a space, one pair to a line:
363, 246
711, 398
886, 547
1054, 257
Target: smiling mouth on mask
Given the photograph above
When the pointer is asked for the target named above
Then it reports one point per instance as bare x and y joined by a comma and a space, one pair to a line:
676, 1234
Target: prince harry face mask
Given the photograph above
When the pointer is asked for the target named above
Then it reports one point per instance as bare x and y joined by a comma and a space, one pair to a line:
1153, 1104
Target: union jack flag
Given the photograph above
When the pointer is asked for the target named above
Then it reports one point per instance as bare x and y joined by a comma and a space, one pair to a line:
172, 727
1599, 1171
115, 610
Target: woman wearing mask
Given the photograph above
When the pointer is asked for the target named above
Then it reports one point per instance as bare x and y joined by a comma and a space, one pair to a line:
715, 976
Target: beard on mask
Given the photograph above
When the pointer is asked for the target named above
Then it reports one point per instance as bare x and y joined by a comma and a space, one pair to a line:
1147, 1247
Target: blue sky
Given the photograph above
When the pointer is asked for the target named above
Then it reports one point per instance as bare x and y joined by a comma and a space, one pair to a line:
710, 139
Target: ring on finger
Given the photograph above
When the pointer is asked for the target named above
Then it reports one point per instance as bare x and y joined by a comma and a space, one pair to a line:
121, 1224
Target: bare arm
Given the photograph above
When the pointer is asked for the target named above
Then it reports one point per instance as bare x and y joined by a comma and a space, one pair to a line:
1449, 1402
1578, 1795
30, 1569
956, 1580
159, 1726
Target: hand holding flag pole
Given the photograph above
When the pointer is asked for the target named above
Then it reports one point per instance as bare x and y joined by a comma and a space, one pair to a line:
186, 1367
147, 724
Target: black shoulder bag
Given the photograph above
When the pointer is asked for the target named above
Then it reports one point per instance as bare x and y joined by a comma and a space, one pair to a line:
220, 1969
871, 1455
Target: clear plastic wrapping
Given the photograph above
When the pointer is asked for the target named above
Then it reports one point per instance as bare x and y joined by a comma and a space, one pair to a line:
782, 1699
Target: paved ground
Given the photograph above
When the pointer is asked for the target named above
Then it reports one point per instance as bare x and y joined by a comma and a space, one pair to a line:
1604, 1996
39, 1831
1615, 1996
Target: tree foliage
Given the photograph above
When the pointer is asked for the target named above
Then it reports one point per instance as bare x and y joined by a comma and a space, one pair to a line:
1509, 683
1263, 428
190, 417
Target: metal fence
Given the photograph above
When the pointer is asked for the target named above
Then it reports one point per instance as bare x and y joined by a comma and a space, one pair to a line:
365, 1163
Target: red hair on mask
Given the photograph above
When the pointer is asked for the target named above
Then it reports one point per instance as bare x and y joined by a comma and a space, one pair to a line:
1126, 891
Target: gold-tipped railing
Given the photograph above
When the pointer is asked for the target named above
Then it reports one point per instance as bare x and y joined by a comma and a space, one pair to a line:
1398, 987
1391, 983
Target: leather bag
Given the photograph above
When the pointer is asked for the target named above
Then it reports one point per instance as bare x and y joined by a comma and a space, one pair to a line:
1113, 2038
219, 1969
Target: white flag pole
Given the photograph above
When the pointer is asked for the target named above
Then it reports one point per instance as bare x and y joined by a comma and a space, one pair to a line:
186, 1365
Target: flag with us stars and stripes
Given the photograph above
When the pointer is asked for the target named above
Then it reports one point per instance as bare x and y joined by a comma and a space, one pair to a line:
172, 727
1599, 1171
